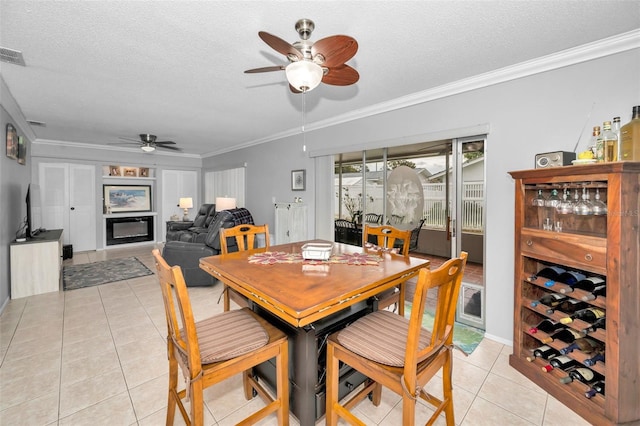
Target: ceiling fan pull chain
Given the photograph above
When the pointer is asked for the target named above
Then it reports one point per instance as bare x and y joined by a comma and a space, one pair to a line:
304, 135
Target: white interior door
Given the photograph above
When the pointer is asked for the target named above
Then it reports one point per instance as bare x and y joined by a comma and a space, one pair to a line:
82, 207
69, 202
54, 178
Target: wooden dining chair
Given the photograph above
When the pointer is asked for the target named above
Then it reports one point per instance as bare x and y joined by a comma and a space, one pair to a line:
213, 349
399, 353
388, 237
245, 238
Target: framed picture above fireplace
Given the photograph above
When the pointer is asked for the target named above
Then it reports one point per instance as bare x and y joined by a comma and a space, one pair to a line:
127, 198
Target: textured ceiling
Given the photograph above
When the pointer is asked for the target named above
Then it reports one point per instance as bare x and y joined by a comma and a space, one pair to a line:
99, 70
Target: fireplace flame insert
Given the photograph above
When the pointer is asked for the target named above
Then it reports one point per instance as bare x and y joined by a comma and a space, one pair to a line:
125, 230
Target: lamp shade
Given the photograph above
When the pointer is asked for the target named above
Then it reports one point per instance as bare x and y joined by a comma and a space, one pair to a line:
304, 75
148, 148
225, 203
186, 203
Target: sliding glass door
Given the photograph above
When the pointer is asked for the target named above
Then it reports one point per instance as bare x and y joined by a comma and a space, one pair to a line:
436, 188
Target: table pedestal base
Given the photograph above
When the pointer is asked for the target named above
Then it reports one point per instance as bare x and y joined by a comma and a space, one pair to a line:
307, 362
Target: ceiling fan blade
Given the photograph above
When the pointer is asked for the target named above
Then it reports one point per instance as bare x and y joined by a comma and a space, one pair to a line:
124, 138
265, 69
174, 148
279, 45
336, 50
343, 75
164, 142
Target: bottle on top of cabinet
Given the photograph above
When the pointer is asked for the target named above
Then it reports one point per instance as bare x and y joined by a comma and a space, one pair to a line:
630, 137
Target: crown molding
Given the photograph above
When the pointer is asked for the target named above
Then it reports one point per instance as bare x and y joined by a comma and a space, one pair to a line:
576, 55
13, 109
77, 145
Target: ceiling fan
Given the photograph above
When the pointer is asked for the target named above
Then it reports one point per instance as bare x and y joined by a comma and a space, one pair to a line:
311, 63
148, 143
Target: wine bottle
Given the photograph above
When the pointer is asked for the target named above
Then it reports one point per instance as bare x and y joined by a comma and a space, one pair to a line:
586, 284
584, 344
590, 362
596, 387
610, 143
565, 335
544, 352
561, 362
630, 137
551, 272
549, 299
615, 128
599, 323
582, 374
588, 314
601, 290
547, 326
571, 277
569, 306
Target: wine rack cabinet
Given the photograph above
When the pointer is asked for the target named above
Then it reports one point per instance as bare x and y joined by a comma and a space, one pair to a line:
605, 245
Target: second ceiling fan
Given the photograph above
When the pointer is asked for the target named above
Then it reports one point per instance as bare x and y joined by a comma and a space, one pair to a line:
311, 63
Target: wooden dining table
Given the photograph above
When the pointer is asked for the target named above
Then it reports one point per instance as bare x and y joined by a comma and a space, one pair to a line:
310, 299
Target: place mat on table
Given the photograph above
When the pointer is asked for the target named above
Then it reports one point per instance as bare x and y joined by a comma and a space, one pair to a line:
272, 257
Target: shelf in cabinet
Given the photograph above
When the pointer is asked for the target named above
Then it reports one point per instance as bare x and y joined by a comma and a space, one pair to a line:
568, 185
600, 302
569, 394
576, 324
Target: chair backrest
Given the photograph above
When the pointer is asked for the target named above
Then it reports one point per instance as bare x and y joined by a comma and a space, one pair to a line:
388, 236
245, 236
204, 214
226, 219
415, 233
372, 218
179, 315
447, 280
395, 219
344, 223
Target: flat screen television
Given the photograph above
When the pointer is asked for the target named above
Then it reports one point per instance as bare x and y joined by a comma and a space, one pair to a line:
34, 211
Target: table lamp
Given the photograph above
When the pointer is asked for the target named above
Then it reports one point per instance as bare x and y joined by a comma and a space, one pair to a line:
225, 203
186, 204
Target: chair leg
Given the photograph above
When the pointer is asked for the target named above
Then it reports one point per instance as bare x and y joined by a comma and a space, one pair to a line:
226, 298
331, 417
408, 411
173, 388
197, 403
447, 386
282, 383
401, 299
246, 384
377, 394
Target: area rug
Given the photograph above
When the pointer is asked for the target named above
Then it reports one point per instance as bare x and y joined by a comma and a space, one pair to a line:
107, 271
465, 337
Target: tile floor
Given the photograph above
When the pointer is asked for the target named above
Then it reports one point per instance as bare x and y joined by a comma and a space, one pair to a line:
97, 356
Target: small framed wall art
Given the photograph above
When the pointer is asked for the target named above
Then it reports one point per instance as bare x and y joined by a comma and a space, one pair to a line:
298, 180
12, 142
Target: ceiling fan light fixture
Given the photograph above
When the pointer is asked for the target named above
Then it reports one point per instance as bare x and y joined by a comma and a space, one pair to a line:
148, 148
304, 75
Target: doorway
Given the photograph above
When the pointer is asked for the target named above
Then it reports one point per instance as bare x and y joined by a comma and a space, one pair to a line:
451, 174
